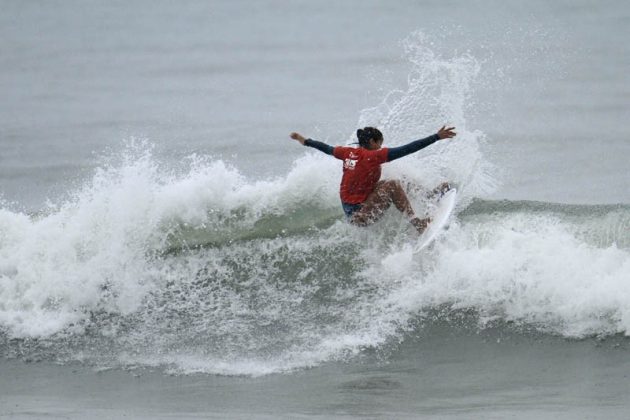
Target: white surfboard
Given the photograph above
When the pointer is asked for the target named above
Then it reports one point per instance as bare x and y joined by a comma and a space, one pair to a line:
439, 219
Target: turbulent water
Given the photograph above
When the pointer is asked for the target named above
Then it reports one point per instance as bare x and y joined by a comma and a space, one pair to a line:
197, 267
203, 270
252, 279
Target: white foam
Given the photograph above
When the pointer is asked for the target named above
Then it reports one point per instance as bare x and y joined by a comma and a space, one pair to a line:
98, 248
529, 269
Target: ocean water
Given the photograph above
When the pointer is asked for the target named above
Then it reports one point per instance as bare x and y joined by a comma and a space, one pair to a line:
167, 251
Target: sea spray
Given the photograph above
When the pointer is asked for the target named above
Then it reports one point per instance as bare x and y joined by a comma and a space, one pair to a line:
437, 93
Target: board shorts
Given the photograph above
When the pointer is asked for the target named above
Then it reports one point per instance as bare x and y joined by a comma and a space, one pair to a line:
349, 209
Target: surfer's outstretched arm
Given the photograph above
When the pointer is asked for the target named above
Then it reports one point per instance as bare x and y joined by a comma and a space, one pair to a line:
398, 152
322, 147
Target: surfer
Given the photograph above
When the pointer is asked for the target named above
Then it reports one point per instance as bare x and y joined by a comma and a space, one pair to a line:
364, 197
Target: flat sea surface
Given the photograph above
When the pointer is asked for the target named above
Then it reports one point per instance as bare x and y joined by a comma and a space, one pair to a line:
166, 251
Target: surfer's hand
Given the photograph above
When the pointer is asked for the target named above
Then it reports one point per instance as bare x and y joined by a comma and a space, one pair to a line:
298, 137
446, 132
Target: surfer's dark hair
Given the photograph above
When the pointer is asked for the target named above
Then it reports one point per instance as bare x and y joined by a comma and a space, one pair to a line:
365, 134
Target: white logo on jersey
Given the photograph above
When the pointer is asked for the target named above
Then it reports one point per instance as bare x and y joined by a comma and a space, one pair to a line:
349, 163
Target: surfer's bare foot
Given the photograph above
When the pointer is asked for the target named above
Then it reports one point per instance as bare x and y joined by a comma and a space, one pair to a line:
420, 224
440, 190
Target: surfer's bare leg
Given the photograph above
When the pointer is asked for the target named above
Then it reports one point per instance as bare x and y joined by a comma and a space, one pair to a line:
386, 193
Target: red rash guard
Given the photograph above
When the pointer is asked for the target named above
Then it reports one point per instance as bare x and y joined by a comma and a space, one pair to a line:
361, 172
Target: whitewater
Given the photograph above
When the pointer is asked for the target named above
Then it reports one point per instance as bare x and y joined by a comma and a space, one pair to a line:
197, 267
